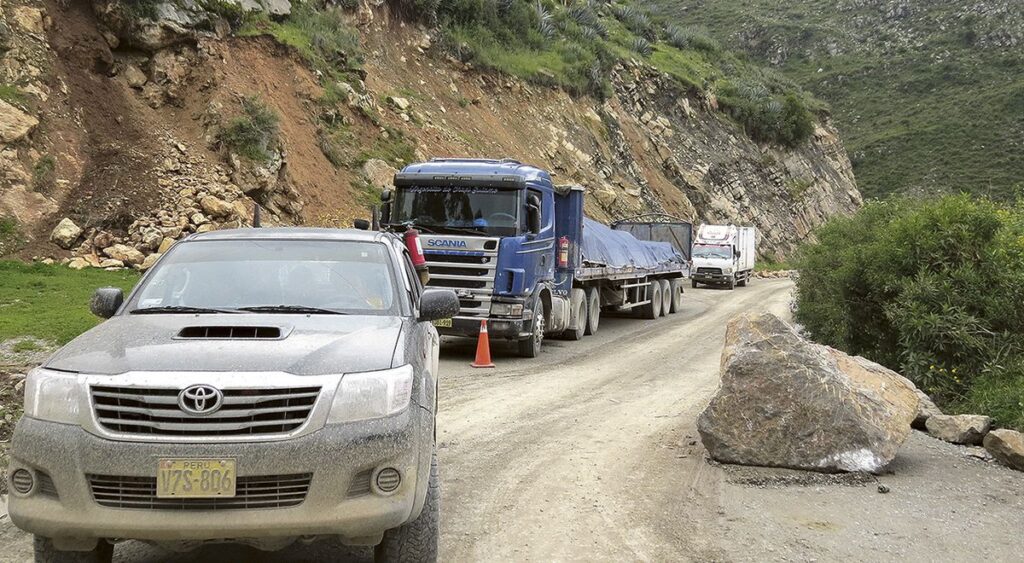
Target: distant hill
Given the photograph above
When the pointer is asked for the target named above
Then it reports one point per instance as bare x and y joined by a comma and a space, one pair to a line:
928, 94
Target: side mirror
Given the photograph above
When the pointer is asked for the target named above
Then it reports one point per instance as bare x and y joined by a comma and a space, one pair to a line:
106, 301
533, 217
385, 196
738, 253
436, 304
361, 224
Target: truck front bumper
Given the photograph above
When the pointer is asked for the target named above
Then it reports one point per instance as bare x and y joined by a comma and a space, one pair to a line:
712, 278
342, 499
498, 327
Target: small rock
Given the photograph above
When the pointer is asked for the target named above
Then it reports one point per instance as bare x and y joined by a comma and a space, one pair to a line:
198, 219
883, 489
14, 123
379, 174
216, 207
1007, 446
925, 410
125, 254
165, 245
78, 263
135, 77
400, 103
111, 263
66, 233
149, 261
29, 19
959, 429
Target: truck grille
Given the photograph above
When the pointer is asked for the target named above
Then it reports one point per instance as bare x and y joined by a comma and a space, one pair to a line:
471, 276
709, 270
135, 410
274, 491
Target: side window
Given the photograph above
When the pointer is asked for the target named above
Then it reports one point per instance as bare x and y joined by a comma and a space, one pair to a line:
412, 280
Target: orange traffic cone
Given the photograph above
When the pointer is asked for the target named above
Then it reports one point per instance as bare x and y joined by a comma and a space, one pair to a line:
483, 348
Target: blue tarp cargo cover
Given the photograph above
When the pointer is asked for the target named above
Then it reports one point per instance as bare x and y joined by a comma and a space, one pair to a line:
604, 246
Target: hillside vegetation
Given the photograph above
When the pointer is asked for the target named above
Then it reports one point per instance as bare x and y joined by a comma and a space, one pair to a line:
575, 45
928, 94
931, 289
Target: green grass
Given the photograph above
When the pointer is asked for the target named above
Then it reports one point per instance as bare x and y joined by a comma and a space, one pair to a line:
11, 94
10, 236
51, 302
921, 105
318, 32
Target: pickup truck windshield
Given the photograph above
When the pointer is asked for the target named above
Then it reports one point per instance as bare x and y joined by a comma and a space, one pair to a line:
712, 251
273, 276
459, 210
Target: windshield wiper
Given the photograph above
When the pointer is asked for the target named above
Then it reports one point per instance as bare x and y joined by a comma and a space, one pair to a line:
179, 309
470, 230
298, 309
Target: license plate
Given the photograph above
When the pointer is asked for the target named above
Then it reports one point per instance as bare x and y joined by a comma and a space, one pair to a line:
195, 478
443, 323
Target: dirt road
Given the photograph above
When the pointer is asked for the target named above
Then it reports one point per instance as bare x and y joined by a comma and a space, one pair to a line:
590, 453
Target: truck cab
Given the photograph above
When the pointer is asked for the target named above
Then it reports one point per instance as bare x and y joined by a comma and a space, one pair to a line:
724, 255
488, 232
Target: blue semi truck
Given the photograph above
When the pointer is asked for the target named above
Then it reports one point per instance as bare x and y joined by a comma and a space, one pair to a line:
519, 253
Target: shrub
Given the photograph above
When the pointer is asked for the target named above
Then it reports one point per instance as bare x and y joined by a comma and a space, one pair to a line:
642, 47
929, 288
253, 134
784, 120
44, 173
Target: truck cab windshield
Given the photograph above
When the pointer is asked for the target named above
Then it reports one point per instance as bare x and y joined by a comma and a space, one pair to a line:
459, 210
715, 251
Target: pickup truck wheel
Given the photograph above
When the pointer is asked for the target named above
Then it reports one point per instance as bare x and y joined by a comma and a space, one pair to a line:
666, 298
47, 553
652, 309
593, 310
676, 287
530, 348
693, 283
416, 541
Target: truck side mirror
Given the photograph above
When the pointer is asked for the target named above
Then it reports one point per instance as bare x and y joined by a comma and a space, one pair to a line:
106, 301
385, 207
436, 304
533, 215
738, 253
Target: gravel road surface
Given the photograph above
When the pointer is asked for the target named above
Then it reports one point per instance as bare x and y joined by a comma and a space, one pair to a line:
590, 452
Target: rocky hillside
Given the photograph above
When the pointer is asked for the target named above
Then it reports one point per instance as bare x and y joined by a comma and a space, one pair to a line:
928, 94
133, 124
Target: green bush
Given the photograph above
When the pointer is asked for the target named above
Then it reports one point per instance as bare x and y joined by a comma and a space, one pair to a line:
929, 288
783, 119
253, 134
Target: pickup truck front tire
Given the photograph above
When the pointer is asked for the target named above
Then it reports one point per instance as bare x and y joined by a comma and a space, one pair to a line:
416, 541
45, 552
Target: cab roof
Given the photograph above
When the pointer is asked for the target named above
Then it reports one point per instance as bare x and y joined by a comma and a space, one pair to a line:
478, 167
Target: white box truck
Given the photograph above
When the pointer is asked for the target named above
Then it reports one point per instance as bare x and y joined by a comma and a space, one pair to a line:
724, 255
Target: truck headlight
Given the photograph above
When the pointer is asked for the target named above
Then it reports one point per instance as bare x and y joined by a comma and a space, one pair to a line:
726, 270
52, 395
507, 309
372, 394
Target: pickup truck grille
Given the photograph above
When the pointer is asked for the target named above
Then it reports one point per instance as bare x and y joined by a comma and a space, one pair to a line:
274, 491
709, 270
154, 411
470, 275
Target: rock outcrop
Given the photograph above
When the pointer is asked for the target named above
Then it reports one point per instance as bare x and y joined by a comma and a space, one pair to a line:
788, 402
960, 428
1007, 446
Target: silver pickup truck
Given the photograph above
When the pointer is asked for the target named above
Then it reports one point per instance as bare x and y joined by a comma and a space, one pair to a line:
257, 386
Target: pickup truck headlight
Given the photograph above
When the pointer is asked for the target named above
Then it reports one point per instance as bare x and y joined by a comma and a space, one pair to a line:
52, 395
507, 309
372, 394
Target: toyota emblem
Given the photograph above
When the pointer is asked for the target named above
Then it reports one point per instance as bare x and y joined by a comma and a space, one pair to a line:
200, 399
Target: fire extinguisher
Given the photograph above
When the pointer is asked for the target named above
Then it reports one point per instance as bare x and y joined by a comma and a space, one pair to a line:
412, 243
563, 252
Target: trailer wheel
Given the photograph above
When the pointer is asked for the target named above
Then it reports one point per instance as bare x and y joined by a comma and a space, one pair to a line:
666, 297
579, 305
593, 310
652, 309
676, 287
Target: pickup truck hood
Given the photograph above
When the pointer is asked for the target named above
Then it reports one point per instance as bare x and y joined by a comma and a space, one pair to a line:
309, 345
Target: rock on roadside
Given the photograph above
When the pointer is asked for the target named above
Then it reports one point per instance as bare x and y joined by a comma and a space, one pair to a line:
66, 233
926, 410
959, 429
788, 402
1007, 446
125, 254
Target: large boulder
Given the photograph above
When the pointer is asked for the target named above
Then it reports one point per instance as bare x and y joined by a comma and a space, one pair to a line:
787, 402
14, 123
125, 254
960, 428
1007, 446
66, 233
